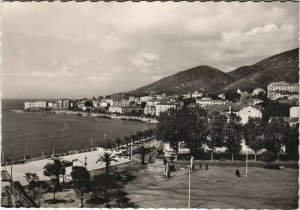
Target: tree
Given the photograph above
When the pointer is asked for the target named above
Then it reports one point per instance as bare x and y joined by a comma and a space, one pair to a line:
253, 133
53, 170
106, 184
34, 185
143, 150
293, 143
187, 124
107, 158
232, 95
88, 103
216, 123
127, 141
233, 135
268, 157
118, 141
276, 134
139, 135
81, 181
195, 124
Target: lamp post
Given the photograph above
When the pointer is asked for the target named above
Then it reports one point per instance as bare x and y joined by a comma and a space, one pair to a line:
131, 150
92, 142
189, 201
85, 161
11, 169
246, 161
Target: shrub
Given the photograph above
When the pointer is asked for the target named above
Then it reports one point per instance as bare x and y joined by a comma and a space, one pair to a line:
268, 157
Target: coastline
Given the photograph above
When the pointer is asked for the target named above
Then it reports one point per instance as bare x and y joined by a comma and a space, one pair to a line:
93, 114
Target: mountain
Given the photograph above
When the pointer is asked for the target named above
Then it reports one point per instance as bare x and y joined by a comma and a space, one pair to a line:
201, 78
283, 66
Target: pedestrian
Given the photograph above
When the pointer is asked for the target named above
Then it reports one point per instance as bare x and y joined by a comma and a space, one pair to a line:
237, 173
206, 167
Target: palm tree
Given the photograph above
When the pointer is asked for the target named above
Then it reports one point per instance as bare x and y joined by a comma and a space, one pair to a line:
127, 141
143, 150
139, 135
107, 158
118, 141
53, 170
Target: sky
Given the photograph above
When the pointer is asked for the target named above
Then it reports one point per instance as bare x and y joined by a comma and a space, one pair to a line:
76, 50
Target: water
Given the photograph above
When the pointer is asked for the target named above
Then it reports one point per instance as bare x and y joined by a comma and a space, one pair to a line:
32, 133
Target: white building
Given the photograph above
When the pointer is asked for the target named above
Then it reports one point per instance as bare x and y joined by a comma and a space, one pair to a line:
282, 89
115, 109
197, 95
161, 96
35, 104
146, 98
249, 111
222, 96
150, 110
208, 101
182, 149
188, 95
294, 111
257, 91
119, 102
162, 107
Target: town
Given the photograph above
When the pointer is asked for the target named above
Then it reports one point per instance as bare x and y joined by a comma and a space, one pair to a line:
236, 130
242, 103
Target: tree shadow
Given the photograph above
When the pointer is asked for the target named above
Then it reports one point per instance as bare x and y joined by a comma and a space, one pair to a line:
57, 201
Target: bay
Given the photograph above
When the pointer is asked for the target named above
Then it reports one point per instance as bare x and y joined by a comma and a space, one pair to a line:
32, 133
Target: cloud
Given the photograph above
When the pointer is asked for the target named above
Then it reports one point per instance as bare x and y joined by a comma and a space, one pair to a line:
121, 46
63, 73
145, 60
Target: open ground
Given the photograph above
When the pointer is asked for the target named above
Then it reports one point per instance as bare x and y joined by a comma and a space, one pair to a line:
217, 187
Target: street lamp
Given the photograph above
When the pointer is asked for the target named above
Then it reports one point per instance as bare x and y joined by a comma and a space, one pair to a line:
11, 170
246, 161
131, 150
85, 161
189, 201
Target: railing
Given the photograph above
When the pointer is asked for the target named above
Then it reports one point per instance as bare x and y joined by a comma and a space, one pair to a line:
72, 152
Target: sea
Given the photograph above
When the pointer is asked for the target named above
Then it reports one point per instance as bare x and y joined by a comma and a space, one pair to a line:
31, 134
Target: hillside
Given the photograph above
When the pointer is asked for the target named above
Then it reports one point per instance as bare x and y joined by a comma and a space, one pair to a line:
194, 79
283, 66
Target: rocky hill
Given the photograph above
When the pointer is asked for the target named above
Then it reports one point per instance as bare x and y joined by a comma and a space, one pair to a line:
283, 66
201, 78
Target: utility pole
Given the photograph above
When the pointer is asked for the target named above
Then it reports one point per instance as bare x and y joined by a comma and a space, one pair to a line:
246, 162
189, 201
131, 150
11, 173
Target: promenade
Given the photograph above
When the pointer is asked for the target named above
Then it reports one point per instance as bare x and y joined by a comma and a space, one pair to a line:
77, 159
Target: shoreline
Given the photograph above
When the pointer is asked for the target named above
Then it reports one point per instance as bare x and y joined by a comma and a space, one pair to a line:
93, 114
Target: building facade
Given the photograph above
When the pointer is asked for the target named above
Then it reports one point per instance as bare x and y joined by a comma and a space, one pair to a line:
150, 110
163, 107
35, 104
294, 111
208, 101
249, 111
146, 98
257, 91
119, 102
282, 89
